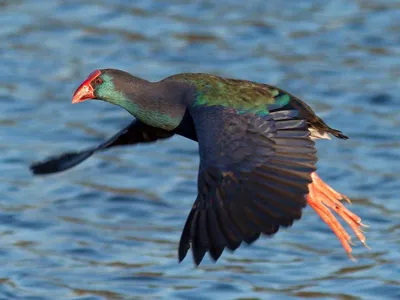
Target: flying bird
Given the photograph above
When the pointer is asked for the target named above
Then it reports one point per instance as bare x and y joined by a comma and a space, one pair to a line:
257, 154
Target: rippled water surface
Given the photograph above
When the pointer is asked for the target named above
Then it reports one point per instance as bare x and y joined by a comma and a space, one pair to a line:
109, 229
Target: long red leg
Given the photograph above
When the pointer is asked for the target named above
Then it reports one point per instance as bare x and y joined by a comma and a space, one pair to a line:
322, 198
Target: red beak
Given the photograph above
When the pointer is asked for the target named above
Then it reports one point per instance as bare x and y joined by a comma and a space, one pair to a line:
85, 90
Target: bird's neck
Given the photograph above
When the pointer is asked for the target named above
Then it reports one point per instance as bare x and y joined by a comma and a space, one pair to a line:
159, 104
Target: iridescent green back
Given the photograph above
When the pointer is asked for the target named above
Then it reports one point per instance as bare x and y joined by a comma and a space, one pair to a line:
244, 96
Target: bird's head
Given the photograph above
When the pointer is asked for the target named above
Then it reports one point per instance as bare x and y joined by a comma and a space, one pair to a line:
114, 86
156, 104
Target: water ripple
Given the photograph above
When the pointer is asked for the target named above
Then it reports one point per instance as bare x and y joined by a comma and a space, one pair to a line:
109, 229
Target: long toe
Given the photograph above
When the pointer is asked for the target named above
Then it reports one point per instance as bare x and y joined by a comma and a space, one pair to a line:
324, 199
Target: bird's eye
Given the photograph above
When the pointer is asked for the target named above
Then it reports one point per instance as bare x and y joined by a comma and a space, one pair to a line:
98, 80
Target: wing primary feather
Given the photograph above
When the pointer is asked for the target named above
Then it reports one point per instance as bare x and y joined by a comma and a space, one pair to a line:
290, 124
198, 249
216, 238
238, 216
287, 179
283, 191
281, 212
283, 114
274, 206
300, 134
290, 149
184, 243
230, 231
301, 171
266, 224
200, 242
293, 142
299, 158
251, 239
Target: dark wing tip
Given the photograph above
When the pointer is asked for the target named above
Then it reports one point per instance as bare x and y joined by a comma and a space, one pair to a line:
202, 234
184, 244
216, 252
59, 163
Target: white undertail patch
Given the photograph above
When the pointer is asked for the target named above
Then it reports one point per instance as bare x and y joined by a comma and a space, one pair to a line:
317, 134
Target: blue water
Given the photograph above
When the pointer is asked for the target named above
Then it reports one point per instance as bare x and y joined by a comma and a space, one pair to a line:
109, 229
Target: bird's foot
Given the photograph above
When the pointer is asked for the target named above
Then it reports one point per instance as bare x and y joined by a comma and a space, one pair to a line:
323, 199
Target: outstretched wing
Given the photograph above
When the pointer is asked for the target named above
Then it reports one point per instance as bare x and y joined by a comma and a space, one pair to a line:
253, 176
135, 132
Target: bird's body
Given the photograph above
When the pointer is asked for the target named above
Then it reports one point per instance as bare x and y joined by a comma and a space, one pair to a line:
247, 97
257, 153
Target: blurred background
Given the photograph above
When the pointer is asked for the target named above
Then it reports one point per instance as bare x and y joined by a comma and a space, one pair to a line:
109, 229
